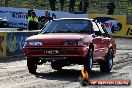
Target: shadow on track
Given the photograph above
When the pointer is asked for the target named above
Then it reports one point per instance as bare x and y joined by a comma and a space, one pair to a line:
11, 59
71, 75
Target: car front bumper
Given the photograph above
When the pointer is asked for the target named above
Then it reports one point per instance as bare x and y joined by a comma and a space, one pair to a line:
55, 51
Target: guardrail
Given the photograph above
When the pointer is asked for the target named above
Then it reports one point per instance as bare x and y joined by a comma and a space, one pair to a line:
8, 29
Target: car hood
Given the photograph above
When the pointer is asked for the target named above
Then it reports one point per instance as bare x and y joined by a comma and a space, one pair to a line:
63, 36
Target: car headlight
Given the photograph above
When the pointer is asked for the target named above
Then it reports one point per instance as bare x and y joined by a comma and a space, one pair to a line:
80, 43
25, 43
33, 43
73, 43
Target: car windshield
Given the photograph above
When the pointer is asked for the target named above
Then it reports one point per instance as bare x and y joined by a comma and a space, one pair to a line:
68, 26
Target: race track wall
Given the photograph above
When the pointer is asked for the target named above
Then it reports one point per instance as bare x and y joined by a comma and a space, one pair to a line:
11, 43
18, 16
116, 25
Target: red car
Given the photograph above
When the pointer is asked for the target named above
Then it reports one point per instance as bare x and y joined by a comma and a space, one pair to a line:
70, 41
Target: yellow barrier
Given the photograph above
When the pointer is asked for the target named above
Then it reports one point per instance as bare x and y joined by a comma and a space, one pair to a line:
114, 24
129, 31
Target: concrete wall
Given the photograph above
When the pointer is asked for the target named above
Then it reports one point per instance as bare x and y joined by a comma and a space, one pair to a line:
11, 43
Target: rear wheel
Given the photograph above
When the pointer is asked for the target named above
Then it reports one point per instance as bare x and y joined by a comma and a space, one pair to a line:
32, 66
56, 65
88, 64
106, 66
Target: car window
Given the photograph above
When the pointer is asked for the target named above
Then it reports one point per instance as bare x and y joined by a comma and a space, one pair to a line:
100, 27
68, 26
96, 29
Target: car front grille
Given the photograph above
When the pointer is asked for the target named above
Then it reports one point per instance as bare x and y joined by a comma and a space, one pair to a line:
52, 48
62, 51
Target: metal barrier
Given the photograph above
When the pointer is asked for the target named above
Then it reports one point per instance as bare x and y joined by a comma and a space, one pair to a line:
8, 29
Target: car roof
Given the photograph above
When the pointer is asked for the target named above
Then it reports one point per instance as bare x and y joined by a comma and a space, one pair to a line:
73, 19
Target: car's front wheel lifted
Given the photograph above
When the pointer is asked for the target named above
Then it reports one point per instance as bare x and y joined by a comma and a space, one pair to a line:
32, 66
106, 66
88, 61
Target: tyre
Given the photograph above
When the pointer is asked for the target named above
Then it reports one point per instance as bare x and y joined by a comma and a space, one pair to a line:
106, 66
32, 66
88, 64
56, 65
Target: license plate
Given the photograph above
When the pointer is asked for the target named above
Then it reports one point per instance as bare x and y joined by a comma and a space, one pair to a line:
53, 52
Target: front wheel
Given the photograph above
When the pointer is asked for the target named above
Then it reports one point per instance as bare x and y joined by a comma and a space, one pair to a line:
106, 66
32, 66
88, 64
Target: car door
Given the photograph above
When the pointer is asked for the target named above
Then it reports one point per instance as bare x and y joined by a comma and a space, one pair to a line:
98, 41
105, 40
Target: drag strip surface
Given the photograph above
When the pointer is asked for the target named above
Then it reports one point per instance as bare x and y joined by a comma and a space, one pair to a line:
14, 73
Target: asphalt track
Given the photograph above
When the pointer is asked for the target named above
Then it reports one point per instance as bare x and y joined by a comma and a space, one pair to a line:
14, 73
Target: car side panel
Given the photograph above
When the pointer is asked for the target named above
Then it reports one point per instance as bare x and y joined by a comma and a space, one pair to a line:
101, 46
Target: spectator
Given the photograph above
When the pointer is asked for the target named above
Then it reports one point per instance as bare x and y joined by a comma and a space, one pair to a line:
80, 5
44, 19
111, 7
53, 16
62, 4
32, 22
83, 5
71, 5
52, 4
29, 12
